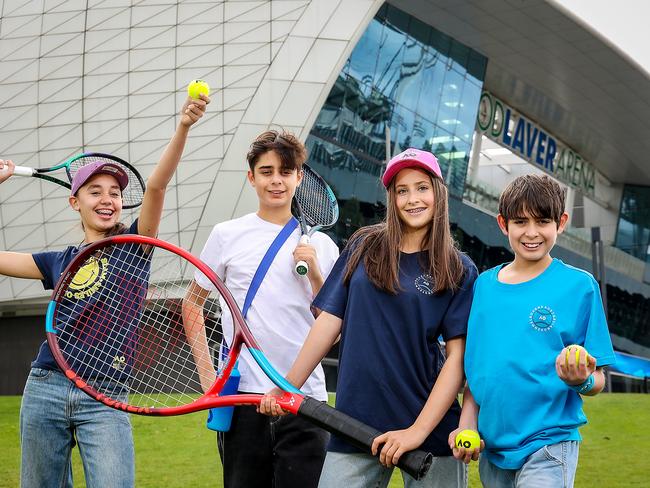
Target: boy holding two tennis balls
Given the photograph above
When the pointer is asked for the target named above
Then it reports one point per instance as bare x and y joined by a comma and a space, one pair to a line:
525, 373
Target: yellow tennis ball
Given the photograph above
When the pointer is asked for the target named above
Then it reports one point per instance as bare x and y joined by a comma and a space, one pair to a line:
577, 349
469, 439
196, 87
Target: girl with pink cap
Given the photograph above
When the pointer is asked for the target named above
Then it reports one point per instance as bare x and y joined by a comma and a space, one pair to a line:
54, 414
397, 287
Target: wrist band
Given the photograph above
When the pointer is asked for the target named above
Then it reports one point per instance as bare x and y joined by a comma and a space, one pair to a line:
584, 387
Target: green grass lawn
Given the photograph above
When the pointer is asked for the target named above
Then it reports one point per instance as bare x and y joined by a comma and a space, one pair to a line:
181, 452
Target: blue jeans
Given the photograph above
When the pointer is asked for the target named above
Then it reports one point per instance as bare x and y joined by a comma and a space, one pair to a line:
345, 470
54, 416
552, 466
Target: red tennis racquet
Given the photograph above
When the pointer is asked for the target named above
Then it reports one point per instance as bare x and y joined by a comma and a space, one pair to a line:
119, 328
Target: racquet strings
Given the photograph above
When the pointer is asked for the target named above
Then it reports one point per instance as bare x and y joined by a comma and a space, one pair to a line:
120, 327
316, 200
132, 195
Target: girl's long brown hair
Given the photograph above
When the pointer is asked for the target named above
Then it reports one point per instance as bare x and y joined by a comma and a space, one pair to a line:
379, 247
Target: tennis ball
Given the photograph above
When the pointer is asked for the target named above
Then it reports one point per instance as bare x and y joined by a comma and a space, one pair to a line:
577, 349
469, 439
196, 87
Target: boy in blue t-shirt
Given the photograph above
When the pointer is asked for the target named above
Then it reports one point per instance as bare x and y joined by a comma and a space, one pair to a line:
524, 389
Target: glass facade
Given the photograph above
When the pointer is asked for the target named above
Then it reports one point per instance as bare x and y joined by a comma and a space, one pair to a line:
405, 85
629, 313
633, 233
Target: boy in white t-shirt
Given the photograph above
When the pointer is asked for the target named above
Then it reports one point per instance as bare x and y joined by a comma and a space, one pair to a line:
261, 451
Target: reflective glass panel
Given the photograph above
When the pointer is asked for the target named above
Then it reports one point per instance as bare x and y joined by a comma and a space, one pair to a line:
406, 82
633, 233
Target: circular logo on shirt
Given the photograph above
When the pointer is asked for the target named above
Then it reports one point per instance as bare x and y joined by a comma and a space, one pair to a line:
424, 284
88, 279
542, 318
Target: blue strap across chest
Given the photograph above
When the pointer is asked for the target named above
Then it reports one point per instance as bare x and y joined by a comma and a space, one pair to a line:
265, 264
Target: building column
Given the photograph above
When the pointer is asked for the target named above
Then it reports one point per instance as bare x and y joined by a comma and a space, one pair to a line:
569, 204
474, 158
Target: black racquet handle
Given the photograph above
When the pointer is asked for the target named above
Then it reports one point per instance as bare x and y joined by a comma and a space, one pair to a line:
416, 463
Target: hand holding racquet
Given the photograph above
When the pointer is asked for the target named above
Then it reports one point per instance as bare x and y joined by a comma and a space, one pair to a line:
6, 169
121, 327
314, 205
131, 195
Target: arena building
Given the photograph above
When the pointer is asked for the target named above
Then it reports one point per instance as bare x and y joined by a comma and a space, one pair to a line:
495, 88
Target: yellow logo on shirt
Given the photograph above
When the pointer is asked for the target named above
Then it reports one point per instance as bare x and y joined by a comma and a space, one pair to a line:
88, 279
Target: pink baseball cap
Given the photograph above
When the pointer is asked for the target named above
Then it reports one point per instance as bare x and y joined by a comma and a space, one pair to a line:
411, 158
84, 173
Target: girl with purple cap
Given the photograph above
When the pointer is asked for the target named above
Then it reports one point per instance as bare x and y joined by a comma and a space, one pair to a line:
395, 289
54, 414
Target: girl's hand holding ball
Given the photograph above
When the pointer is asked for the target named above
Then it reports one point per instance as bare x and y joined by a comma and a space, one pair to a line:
466, 444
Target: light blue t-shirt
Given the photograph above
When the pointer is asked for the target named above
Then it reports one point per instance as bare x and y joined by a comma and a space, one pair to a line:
514, 334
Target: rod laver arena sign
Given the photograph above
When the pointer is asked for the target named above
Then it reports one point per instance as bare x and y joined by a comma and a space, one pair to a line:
507, 127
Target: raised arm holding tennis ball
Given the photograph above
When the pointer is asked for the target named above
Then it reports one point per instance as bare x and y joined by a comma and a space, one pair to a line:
54, 415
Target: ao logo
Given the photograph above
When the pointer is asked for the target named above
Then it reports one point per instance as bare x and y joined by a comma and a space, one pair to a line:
542, 318
424, 284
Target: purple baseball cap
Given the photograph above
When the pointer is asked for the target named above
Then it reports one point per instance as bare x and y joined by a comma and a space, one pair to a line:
86, 172
411, 158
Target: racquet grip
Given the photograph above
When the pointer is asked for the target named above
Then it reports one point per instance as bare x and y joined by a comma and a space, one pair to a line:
302, 268
23, 171
416, 463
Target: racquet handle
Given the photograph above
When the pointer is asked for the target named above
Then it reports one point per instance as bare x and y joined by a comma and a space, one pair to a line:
302, 268
416, 463
23, 171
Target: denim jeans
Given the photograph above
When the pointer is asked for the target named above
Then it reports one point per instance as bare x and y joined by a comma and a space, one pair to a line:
345, 470
552, 466
54, 416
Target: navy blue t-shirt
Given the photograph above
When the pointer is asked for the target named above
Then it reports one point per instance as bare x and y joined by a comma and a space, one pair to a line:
389, 354
51, 265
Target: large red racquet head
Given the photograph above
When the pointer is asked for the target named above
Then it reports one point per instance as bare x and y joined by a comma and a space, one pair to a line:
124, 326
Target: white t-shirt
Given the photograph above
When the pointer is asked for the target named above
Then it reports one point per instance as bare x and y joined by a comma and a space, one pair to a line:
279, 316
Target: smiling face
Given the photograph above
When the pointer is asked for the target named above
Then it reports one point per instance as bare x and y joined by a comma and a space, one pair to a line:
275, 185
532, 238
414, 199
99, 201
